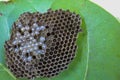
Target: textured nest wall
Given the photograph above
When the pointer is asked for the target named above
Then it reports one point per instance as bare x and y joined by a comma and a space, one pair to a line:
42, 45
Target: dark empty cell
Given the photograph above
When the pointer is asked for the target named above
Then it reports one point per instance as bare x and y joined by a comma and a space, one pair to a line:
61, 44
59, 50
55, 36
58, 17
49, 19
47, 50
55, 52
45, 73
42, 70
49, 61
33, 75
27, 55
74, 39
52, 48
58, 55
64, 23
71, 47
54, 18
50, 53
74, 49
56, 47
51, 68
66, 52
70, 51
68, 33
46, 70
77, 30
73, 43
48, 75
59, 26
35, 36
41, 74
22, 33
57, 32
52, 64
54, 29
44, 62
15, 46
16, 61
50, 57
40, 47
67, 63
48, 34
66, 41
47, 26
54, 67
60, 35
68, 22
57, 43
75, 46
68, 59
34, 57
53, 33
53, 75
56, 63
63, 49
46, 54
57, 59
69, 29
71, 36
38, 72
40, 63
64, 61
62, 27
54, 71
60, 62
76, 19
61, 31
73, 54
62, 54
18, 57
54, 55
30, 31
46, 58
65, 30
56, 21
71, 58
65, 67
54, 40
78, 22
72, 32
65, 57
58, 70
64, 45
47, 65
70, 40
39, 67
59, 66
64, 34
75, 34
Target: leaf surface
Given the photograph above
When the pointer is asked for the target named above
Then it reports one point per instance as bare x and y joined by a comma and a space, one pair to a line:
98, 53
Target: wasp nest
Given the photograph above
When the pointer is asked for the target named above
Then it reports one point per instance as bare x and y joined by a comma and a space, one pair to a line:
42, 45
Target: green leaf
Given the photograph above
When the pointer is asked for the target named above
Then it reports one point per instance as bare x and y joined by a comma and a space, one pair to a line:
5, 74
98, 53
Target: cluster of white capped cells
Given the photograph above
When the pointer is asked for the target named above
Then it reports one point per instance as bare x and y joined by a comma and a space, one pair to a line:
27, 42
